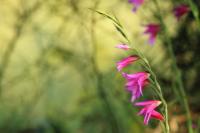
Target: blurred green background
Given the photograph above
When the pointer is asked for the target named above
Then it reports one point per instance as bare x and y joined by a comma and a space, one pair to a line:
57, 66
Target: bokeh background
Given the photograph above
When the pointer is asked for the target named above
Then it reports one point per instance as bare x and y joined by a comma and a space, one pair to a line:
58, 73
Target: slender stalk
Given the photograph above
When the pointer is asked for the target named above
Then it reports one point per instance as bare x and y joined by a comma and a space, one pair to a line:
182, 91
178, 77
100, 89
179, 83
159, 93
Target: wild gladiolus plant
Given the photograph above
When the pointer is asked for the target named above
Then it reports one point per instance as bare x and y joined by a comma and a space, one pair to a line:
138, 81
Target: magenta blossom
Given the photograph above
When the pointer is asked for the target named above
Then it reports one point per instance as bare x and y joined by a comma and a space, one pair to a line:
123, 46
148, 110
152, 30
126, 61
136, 83
181, 10
136, 3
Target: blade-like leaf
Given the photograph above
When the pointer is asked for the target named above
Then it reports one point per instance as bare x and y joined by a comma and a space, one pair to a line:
107, 16
116, 23
120, 30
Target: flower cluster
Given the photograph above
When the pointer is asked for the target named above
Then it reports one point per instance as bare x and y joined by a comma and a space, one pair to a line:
135, 85
153, 29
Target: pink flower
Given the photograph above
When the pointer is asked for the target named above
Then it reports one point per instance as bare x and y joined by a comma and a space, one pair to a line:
152, 30
126, 61
136, 3
136, 83
181, 10
149, 110
123, 46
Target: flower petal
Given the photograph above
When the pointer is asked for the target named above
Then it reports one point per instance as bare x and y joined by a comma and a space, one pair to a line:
157, 115
180, 10
136, 3
150, 102
135, 75
123, 46
152, 30
126, 61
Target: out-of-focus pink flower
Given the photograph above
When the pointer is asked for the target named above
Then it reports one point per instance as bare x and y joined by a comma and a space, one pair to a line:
181, 10
123, 46
136, 3
136, 83
152, 30
148, 110
126, 61
194, 125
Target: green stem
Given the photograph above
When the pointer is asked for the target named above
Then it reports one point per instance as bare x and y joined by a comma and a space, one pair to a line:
157, 89
160, 94
181, 90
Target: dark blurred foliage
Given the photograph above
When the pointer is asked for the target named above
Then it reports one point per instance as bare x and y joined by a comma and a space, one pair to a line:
186, 47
